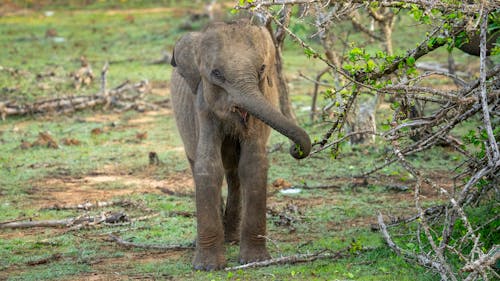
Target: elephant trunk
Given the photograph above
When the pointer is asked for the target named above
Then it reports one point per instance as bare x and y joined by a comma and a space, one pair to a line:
258, 106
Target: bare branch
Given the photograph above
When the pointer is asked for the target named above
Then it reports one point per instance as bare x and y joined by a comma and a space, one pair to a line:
294, 259
485, 260
104, 71
356, 23
466, 8
159, 247
423, 260
88, 205
44, 223
484, 100
325, 146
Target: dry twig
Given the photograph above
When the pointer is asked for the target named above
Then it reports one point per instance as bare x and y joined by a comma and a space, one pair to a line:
125, 96
49, 259
88, 205
158, 247
422, 259
294, 259
413, 129
43, 223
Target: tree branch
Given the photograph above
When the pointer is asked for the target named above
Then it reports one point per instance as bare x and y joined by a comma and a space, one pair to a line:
294, 259
495, 155
160, 247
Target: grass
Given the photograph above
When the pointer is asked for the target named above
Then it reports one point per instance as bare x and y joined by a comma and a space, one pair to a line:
114, 165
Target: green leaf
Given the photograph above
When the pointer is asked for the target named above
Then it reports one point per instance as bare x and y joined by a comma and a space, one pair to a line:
297, 147
411, 71
411, 246
309, 52
370, 65
355, 53
374, 4
484, 135
395, 105
410, 61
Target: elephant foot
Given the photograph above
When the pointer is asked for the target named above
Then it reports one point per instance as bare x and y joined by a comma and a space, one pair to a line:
209, 259
251, 254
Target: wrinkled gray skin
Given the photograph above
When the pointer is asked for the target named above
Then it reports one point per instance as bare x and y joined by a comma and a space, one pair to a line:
224, 97
472, 47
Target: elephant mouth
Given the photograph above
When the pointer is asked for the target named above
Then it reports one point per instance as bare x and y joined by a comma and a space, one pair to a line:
242, 113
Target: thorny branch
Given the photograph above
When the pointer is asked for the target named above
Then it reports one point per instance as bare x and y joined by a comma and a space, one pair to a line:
467, 8
420, 258
475, 101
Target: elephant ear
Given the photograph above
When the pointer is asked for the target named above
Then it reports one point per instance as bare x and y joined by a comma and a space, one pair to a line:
184, 59
269, 55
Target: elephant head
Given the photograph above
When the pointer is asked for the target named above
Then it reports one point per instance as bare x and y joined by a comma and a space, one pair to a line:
233, 67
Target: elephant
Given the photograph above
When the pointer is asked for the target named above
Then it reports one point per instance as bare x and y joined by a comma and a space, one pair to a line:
472, 47
225, 102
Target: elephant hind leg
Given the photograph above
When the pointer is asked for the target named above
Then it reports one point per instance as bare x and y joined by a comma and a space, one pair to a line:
232, 214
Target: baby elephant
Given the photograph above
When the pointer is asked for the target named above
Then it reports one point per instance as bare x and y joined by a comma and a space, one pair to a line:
225, 99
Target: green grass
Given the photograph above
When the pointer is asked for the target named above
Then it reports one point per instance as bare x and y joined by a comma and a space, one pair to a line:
91, 5
131, 40
98, 36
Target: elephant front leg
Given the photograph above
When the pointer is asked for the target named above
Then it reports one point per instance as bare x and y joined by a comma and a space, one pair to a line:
208, 176
210, 234
253, 175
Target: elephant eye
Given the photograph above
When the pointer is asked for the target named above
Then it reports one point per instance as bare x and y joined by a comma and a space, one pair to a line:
217, 74
261, 71
262, 68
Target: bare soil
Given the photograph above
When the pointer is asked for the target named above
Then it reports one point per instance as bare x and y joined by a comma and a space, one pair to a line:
92, 188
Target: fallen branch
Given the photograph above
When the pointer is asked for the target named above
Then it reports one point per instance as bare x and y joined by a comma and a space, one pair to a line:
130, 220
332, 186
87, 205
181, 214
175, 193
15, 220
43, 223
72, 223
160, 247
51, 258
109, 218
300, 258
125, 96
